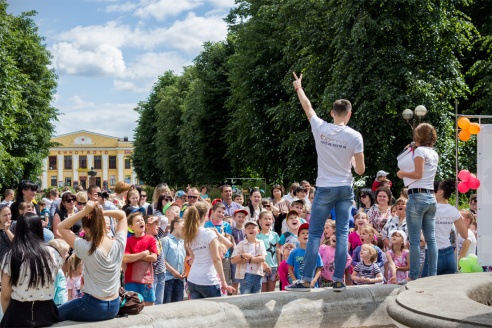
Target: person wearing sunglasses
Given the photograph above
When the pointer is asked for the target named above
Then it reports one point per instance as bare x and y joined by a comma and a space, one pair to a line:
366, 199
67, 209
193, 196
80, 200
26, 192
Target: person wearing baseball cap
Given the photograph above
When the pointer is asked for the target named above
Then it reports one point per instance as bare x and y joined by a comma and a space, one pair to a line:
296, 259
381, 176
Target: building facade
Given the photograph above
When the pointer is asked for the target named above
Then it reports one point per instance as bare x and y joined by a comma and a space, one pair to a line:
79, 154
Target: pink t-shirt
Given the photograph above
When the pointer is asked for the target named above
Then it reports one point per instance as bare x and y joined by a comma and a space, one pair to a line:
283, 274
74, 284
328, 256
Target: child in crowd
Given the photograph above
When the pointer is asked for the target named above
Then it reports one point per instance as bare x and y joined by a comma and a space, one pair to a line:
152, 228
327, 252
44, 213
367, 238
328, 231
397, 222
361, 220
380, 177
296, 258
132, 200
467, 246
61, 294
238, 198
397, 256
271, 240
296, 205
238, 235
228, 219
74, 277
171, 212
249, 256
293, 223
367, 271
140, 252
175, 254
283, 268
393, 211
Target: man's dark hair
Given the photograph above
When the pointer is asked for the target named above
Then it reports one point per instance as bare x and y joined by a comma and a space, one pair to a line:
224, 186
342, 107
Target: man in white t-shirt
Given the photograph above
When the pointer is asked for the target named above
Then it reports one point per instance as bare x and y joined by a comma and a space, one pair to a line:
339, 148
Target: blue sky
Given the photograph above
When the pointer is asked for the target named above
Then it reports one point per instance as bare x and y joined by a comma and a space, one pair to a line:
108, 53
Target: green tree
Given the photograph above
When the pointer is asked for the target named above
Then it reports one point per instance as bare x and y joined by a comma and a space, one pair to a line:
27, 87
145, 144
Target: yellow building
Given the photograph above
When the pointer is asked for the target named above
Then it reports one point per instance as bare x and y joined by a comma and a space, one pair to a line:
77, 153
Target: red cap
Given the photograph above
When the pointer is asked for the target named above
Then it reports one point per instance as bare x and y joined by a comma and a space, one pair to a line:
240, 211
302, 227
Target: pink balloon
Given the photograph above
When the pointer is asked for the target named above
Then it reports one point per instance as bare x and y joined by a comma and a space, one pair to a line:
463, 187
464, 175
474, 183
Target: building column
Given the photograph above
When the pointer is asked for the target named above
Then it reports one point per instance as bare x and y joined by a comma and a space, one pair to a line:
90, 161
59, 164
44, 183
134, 177
75, 165
105, 167
120, 166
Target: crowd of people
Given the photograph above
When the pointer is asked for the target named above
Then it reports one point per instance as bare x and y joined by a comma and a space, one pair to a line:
64, 257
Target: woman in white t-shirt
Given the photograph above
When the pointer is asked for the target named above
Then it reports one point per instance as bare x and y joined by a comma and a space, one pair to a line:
446, 216
102, 258
28, 277
206, 277
421, 205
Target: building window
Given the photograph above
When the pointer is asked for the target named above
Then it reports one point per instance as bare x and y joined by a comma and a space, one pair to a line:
52, 163
53, 181
83, 162
98, 181
68, 162
112, 180
68, 181
97, 163
112, 162
127, 163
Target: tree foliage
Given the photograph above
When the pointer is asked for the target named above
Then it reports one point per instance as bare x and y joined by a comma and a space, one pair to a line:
235, 112
27, 87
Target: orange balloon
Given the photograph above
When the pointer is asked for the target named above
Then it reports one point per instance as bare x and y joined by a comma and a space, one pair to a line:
463, 123
474, 128
464, 135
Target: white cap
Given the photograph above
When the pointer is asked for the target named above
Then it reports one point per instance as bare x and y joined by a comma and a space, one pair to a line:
401, 232
381, 174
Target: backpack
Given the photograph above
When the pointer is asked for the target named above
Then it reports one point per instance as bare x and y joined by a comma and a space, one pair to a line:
130, 302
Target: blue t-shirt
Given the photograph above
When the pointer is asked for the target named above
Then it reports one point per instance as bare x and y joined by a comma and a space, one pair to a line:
289, 237
296, 259
270, 242
352, 212
224, 228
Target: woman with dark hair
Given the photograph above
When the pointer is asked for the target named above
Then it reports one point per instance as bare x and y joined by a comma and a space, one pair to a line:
380, 212
102, 258
67, 209
366, 199
277, 199
254, 204
28, 277
26, 192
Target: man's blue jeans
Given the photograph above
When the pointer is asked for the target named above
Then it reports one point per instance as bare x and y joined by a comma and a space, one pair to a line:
325, 199
421, 215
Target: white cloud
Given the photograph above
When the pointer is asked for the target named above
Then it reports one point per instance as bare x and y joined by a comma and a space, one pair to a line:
153, 64
79, 103
158, 9
114, 119
223, 3
103, 59
112, 33
120, 85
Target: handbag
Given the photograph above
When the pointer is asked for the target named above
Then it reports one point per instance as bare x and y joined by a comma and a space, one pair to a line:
130, 302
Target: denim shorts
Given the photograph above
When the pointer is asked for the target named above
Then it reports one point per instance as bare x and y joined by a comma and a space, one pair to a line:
146, 290
269, 277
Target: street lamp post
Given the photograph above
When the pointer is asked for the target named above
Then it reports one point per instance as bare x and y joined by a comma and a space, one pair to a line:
408, 115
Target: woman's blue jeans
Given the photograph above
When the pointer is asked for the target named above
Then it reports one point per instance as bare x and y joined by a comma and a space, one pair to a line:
88, 308
421, 215
446, 262
203, 291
